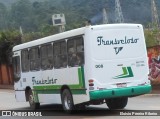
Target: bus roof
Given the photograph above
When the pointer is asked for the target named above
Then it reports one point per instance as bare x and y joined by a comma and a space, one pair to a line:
60, 36
71, 33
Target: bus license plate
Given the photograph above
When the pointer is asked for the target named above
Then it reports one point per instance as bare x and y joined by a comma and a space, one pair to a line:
121, 85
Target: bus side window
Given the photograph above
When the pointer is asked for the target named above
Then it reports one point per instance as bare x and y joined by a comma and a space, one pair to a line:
71, 53
80, 51
56, 48
75, 52
50, 56
34, 55
46, 57
25, 60
63, 54
60, 55
16, 68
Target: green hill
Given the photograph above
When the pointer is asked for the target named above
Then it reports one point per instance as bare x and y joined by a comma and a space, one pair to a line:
34, 15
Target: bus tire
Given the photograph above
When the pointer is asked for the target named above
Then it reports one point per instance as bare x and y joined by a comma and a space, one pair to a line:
33, 105
67, 101
117, 103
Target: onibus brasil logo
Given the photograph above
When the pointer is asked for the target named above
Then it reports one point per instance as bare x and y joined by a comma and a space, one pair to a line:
127, 72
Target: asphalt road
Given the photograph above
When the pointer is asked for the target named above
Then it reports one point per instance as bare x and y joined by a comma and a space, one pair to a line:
151, 103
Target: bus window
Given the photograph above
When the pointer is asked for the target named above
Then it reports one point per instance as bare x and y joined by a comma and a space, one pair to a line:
46, 57
34, 56
71, 53
16, 68
75, 52
80, 51
64, 54
25, 60
60, 55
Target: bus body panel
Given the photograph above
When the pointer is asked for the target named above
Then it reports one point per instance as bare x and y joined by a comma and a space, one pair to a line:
49, 98
117, 58
115, 66
47, 84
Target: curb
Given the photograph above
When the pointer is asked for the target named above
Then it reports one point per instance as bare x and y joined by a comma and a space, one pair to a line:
150, 95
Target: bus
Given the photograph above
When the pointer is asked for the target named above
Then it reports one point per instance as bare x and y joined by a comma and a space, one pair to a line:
86, 66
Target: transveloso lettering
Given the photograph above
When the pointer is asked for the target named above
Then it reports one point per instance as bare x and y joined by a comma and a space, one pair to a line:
126, 40
48, 81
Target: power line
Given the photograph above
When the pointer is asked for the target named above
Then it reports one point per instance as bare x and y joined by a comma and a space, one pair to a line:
105, 18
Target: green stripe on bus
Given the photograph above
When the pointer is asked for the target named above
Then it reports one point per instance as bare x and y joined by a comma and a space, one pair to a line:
81, 77
79, 91
74, 91
75, 88
45, 87
35, 94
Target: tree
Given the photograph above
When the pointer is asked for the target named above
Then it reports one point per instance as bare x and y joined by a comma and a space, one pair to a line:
152, 36
8, 39
21, 15
47, 30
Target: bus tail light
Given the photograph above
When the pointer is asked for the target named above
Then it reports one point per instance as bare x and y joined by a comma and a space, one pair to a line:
91, 84
91, 81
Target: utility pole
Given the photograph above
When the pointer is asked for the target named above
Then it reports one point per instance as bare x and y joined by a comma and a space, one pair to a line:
21, 32
155, 19
118, 12
105, 18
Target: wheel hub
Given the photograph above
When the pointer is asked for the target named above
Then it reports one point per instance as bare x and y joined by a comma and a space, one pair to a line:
67, 102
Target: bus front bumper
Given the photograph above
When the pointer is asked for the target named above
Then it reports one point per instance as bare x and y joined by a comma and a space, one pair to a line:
120, 92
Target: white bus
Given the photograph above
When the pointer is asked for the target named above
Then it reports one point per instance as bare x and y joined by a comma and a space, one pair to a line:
86, 66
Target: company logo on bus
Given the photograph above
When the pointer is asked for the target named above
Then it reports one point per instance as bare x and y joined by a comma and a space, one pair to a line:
118, 49
127, 73
116, 41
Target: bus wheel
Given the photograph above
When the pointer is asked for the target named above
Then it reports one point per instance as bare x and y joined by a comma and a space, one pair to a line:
33, 105
117, 103
67, 101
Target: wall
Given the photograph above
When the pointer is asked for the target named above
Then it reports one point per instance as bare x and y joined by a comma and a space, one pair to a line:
154, 64
6, 75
